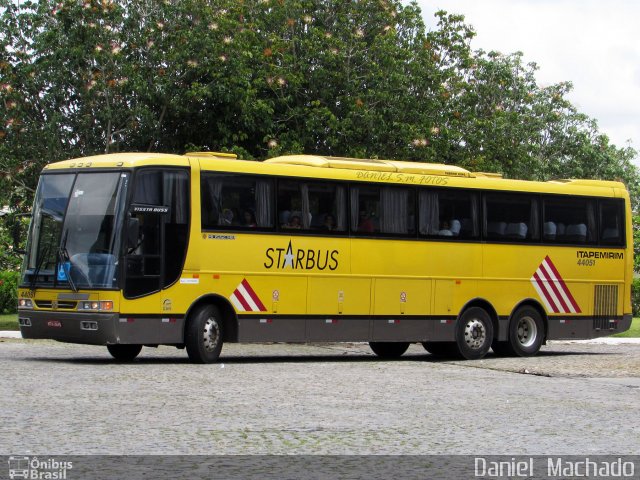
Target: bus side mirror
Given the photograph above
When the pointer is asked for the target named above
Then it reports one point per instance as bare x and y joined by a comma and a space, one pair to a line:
133, 232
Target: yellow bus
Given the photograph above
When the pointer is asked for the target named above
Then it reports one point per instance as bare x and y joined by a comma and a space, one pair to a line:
145, 249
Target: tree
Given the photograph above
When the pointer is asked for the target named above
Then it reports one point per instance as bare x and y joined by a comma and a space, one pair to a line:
363, 79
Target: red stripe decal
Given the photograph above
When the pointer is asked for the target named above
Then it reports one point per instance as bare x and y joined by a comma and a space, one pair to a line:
564, 285
243, 302
543, 288
253, 295
554, 287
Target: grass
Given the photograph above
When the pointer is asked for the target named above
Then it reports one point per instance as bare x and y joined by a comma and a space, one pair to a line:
633, 332
9, 322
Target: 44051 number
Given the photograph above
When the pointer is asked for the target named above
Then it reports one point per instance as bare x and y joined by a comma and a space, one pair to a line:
586, 262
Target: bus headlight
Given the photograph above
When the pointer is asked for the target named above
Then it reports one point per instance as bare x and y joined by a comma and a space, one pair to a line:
25, 303
96, 306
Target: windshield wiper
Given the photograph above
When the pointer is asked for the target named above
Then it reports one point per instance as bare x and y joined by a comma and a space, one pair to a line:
63, 256
36, 272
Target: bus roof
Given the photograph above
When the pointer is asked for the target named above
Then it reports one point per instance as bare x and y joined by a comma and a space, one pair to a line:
372, 165
120, 160
340, 168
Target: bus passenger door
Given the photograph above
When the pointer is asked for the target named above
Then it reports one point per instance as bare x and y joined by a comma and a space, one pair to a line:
157, 231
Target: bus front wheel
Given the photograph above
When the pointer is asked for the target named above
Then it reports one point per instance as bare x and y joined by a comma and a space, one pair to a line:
474, 333
389, 349
124, 353
203, 335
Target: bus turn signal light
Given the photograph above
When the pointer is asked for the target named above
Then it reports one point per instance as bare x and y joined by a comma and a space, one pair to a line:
96, 306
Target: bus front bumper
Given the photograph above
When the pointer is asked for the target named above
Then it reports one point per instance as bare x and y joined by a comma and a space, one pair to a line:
99, 328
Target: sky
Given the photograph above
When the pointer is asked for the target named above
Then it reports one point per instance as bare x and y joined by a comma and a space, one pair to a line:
592, 43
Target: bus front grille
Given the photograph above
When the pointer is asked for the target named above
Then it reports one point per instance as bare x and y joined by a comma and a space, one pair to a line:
56, 304
605, 307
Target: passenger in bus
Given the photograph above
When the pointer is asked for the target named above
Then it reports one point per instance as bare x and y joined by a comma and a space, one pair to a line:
294, 222
227, 217
365, 223
249, 219
445, 229
329, 223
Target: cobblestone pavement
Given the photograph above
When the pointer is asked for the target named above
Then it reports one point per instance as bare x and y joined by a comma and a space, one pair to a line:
318, 399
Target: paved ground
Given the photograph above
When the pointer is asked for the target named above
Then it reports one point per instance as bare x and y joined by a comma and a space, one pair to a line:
320, 399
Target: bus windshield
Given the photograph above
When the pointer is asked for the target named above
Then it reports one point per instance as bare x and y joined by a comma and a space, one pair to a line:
75, 232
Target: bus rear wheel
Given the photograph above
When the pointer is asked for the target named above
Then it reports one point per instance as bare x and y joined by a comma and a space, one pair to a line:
389, 349
526, 332
474, 333
204, 334
124, 353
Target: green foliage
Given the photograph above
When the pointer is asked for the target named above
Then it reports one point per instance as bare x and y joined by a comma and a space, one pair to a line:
635, 297
9, 259
8, 292
634, 330
636, 243
9, 322
364, 79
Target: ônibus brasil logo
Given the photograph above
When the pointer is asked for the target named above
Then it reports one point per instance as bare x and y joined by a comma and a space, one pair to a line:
35, 468
301, 258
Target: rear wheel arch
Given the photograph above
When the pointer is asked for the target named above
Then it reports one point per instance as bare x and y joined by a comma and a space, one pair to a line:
226, 309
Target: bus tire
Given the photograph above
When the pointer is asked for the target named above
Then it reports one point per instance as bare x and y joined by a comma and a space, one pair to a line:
474, 333
442, 349
526, 332
204, 333
124, 353
389, 349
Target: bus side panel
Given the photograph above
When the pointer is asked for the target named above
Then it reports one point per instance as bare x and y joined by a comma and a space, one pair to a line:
400, 329
337, 299
270, 307
581, 289
271, 329
397, 299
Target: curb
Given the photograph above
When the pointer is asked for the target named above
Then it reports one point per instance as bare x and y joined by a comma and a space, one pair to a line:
10, 334
600, 341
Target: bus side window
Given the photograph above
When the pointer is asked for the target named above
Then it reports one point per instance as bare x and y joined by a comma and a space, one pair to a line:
569, 220
397, 210
294, 212
236, 201
511, 217
451, 214
612, 231
365, 208
327, 203
383, 209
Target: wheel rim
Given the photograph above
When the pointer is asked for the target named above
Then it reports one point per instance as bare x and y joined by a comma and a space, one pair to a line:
211, 334
527, 331
475, 334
